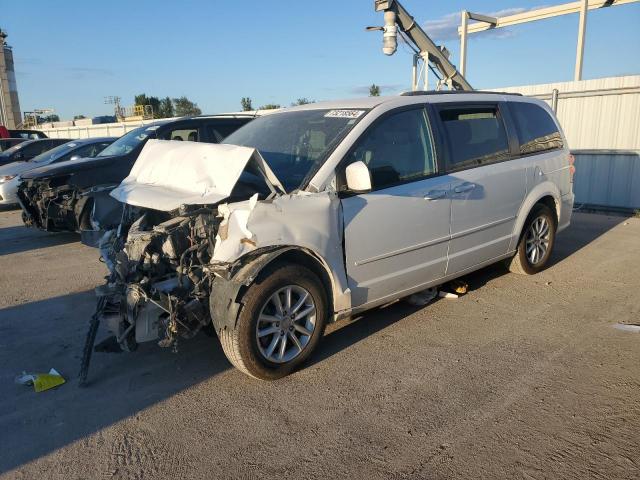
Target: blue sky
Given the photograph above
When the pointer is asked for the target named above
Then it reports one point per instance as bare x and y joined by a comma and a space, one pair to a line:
70, 54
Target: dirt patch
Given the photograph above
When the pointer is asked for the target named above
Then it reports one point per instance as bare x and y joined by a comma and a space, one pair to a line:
523, 377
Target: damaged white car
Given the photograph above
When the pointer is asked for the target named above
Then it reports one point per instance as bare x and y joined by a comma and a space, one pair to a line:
321, 211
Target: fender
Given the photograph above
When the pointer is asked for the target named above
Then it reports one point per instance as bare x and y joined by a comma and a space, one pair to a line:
224, 299
544, 189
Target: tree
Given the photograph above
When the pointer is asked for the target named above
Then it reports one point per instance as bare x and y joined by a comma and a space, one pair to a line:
246, 104
185, 107
166, 108
49, 118
78, 117
142, 99
374, 90
302, 101
269, 106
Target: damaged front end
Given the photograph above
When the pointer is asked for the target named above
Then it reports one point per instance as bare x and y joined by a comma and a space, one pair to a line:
165, 253
160, 280
50, 204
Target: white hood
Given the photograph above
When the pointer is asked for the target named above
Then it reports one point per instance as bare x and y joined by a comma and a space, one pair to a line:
168, 174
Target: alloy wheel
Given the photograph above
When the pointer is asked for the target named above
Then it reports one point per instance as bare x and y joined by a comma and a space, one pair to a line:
286, 323
537, 240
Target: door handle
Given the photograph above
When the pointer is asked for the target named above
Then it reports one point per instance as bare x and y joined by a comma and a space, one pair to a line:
435, 194
465, 187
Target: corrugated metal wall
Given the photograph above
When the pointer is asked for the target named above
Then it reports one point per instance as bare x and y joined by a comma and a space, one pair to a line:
603, 113
606, 178
601, 120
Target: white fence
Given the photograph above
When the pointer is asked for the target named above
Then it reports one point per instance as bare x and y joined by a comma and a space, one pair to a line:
91, 131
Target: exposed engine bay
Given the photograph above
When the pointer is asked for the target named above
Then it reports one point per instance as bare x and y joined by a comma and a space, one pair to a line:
162, 261
160, 276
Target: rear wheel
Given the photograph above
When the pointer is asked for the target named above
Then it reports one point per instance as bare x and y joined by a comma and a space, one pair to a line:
282, 320
536, 242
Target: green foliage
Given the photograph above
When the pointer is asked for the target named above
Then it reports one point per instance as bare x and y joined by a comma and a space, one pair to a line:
269, 106
78, 117
374, 90
166, 109
246, 104
302, 101
49, 118
143, 99
185, 107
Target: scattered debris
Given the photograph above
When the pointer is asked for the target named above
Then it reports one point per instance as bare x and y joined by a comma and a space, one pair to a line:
444, 294
548, 283
422, 298
458, 286
41, 381
627, 327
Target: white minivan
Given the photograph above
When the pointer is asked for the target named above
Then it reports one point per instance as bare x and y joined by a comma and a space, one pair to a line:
318, 212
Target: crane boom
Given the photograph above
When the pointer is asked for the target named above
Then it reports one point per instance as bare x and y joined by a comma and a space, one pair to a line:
396, 14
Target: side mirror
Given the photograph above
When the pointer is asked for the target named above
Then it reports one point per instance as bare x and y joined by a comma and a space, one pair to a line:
358, 177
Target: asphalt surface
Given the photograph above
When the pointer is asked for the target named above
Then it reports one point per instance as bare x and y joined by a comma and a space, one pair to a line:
524, 377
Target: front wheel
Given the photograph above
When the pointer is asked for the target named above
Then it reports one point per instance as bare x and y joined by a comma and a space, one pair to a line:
282, 319
536, 242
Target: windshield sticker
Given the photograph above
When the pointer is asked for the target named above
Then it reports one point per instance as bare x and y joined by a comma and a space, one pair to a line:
344, 113
152, 128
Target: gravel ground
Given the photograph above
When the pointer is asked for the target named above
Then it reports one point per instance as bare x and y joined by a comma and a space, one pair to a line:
524, 377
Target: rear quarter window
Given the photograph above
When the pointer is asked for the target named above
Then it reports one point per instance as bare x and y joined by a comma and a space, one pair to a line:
537, 132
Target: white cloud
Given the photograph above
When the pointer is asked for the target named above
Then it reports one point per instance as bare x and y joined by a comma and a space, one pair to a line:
446, 27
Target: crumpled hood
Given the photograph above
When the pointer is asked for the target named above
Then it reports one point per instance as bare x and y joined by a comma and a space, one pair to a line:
71, 166
168, 174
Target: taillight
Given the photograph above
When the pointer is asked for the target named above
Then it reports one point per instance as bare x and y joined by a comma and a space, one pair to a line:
572, 167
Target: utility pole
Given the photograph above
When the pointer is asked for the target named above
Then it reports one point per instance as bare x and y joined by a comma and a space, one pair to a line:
582, 31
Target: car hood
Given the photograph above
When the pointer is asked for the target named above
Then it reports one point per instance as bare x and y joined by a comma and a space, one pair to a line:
168, 174
71, 166
14, 168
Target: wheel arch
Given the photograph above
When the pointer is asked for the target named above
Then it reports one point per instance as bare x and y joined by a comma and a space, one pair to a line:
225, 300
546, 193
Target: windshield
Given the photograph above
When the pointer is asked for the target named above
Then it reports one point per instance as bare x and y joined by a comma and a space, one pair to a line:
293, 143
129, 141
54, 153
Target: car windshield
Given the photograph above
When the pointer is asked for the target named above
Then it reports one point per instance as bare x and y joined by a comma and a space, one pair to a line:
293, 143
129, 141
54, 153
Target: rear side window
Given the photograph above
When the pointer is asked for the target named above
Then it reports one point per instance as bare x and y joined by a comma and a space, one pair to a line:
475, 135
537, 132
181, 134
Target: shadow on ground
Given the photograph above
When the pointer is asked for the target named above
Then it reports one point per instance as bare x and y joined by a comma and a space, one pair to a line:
22, 239
50, 333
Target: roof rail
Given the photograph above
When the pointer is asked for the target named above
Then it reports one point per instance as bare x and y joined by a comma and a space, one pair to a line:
452, 92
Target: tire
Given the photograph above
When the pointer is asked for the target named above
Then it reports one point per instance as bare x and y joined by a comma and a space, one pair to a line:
248, 351
539, 234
